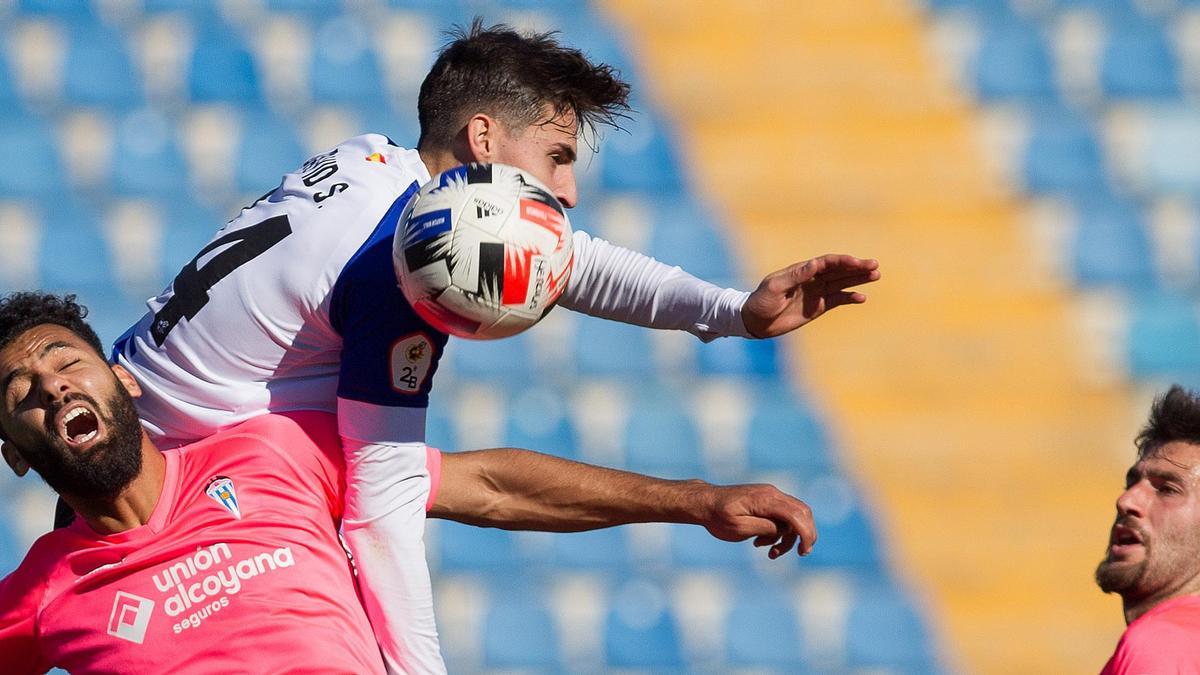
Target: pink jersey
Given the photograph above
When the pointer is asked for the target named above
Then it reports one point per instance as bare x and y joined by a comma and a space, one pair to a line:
1164, 640
238, 570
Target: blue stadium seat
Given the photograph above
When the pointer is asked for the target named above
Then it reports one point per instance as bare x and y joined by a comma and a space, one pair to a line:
693, 547
79, 10
539, 421
686, 234
785, 437
1174, 145
344, 68
984, 8
98, 68
269, 149
10, 95
189, 227
661, 439
466, 548
611, 348
606, 549
439, 429
641, 632
1063, 154
1138, 62
74, 253
1164, 336
521, 634
509, 359
11, 552
883, 630
32, 140
1013, 62
1111, 245
847, 542
147, 160
1112, 10
762, 630
641, 158
737, 356
222, 68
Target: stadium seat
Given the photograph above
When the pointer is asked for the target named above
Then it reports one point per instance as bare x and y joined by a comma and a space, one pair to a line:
610, 348
763, 631
1174, 144
98, 69
10, 95
1013, 62
606, 549
883, 630
1164, 336
74, 253
222, 68
1138, 62
32, 140
686, 234
661, 439
538, 419
1111, 245
189, 226
508, 359
521, 634
640, 631
641, 157
439, 429
270, 148
785, 437
1063, 154
737, 356
344, 67
467, 548
77, 10
693, 547
147, 159
983, 8
847, 537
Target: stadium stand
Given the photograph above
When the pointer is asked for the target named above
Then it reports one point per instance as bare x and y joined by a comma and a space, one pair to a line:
190, 129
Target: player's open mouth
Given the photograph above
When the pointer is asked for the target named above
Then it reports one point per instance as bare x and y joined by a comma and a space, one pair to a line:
78, 425
1123, 540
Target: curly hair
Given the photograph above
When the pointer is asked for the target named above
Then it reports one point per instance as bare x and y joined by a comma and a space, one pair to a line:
514, 76
23, 310
1175, 416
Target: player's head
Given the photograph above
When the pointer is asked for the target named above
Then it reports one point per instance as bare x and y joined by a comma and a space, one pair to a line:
496, 95
1154, 546
65, 413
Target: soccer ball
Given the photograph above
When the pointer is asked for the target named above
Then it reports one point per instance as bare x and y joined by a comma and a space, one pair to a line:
483, 251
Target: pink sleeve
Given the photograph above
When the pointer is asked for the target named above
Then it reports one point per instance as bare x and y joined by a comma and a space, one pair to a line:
433, 462
19, 649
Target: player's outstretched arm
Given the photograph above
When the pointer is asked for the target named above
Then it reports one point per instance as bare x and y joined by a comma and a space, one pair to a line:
524, 490
799, 293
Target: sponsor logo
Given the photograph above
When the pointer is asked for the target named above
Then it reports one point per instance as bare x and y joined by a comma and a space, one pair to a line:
130, 617
485, 209
221, 489
376, 157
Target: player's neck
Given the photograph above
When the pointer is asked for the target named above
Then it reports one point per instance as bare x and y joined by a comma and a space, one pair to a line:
134, 505
438, 161
1135, 608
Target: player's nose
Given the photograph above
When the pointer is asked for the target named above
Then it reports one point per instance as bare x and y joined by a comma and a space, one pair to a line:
566, 191
51, 388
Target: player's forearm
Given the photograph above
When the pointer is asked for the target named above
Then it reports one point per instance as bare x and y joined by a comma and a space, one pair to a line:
612, 282
523, 490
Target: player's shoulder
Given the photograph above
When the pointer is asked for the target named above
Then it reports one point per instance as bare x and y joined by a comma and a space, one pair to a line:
278, 434
44, 560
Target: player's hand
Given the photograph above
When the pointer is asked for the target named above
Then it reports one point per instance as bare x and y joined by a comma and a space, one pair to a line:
799, 293
773, 518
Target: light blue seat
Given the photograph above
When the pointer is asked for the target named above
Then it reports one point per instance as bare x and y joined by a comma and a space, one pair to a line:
661, 439
693, 547
1063, 154
344, 67
762, 630
189, 226
611, 348
606, 549
1112, 10
98, 69
641, 633
467, 548
222, 69
11, 553
640, 158
521, 634
1013, 62
146, 157
10, 95
1139, 62
508, 359
77, 10
1164, 336
985, 8
1170, 157
884, 630
785, 437
269, 149
848, 543
538, 428
1111, 246
738, 356
31, 139
74, 255
439, 429
686, 234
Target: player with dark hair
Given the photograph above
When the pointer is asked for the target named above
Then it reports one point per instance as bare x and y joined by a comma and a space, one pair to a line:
1153, 558
223, 556
294, 305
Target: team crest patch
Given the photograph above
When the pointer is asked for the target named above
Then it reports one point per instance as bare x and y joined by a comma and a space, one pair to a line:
376, 157
221, 489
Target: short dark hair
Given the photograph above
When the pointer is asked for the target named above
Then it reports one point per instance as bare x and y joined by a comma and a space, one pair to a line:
1174, 416
23, 310
514, 76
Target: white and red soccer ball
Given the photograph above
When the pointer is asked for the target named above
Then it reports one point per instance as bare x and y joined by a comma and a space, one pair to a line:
483, 251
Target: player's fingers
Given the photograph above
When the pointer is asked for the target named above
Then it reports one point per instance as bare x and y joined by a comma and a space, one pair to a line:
765, 540
843, 298
836, 262
786, 542
849, 279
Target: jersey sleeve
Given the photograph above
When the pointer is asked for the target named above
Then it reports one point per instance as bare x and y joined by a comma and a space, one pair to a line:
612, 282
20, 651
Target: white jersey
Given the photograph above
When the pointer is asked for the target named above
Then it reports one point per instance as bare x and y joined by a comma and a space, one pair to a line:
294, 305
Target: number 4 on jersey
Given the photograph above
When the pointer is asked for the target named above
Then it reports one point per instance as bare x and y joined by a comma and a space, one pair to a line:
189, 290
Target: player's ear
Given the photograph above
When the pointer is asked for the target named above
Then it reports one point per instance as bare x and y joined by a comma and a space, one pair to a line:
14, 459
127, 381
482, 137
